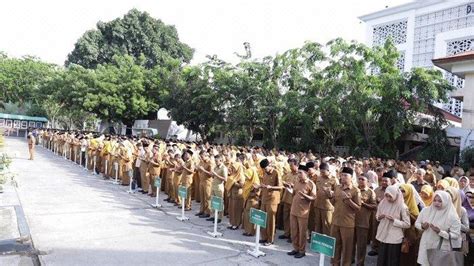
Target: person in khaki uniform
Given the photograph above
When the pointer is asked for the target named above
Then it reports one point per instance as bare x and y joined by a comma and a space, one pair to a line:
304, 192
236, 200
178, 161
251, 196
188, 169
362, 219
144, 157
347, 202
206, 166
323, 208
270, 191
288, 180
126, 159
219, 175
154, 169
31, 146
168, 163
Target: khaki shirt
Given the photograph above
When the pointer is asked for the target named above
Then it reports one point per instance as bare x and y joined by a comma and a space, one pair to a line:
363, 215
208, 166
300, 206
344, 216
291, 178
270, 196
322, 201
216, 182
187, 176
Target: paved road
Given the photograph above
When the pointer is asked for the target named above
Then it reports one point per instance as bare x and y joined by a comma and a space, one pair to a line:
76, 218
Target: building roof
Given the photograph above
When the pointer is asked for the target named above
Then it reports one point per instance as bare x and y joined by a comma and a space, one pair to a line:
448, 62
23, 117
398, 9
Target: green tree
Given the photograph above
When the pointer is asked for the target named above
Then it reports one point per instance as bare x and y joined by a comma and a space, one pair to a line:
136, 34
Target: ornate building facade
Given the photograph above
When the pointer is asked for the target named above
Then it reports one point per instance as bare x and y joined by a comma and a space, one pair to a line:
423, 30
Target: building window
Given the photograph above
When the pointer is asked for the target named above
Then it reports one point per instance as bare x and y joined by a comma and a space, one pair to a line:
31, 124
24, 124
2, 122
16, 124
396, 31
9, 123
39, 124
401, 61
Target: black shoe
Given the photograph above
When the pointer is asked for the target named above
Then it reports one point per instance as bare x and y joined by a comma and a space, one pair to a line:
204, 216
219, 221
373, 253
292, 253
262, 241
283, 237
210, 219
268, 244
300, 255
288, 240
198, 214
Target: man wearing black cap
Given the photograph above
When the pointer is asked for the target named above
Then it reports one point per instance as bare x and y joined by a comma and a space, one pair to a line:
304, 192
270, 191
346, 203
323, 208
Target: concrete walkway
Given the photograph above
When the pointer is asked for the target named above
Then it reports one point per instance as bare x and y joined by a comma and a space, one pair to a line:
76, 218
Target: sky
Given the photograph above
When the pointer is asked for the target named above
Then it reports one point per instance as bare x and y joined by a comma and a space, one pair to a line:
48, 29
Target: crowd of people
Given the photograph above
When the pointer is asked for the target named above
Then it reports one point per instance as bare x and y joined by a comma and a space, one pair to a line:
400, 210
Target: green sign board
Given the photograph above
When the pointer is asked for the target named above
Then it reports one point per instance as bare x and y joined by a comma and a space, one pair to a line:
217, 204
258, 217
323, 244
157, 182
182, 192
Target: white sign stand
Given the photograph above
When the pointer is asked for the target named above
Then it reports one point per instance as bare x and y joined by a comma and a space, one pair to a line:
130, 190
95, 162
116, 173
182, 217
87, 161
80, 158
256, 252
321, 259
215, 233
157, 205
106, 166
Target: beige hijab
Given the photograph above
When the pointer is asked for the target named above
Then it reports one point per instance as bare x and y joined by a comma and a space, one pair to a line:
392, 208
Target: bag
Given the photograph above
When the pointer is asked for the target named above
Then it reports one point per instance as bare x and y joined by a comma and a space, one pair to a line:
405, 246
438, 257
465, 244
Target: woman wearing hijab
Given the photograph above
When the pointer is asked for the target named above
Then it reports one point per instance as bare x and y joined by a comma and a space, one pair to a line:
469, 260
250, 195
442, 185
438, 220
464, 184
408, 256
393, 217
462, 215
452, 182
427, 195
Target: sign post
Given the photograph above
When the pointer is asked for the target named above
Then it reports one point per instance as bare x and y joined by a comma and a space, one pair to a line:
87, 161
259, 218
182, 193
95, 162
116, 168
106, 168
130, 190
324, 245
217, 205
157, 185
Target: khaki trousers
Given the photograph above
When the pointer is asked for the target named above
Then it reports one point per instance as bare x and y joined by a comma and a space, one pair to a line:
176, 183
144, 176
344, 244
236, 206
299, 226
32, 153
268, 233
322, 221
360, 241
219, 192
205, 196
196, 187
249, 227
286, 219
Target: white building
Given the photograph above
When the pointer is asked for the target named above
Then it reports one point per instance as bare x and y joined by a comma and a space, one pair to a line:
423, 30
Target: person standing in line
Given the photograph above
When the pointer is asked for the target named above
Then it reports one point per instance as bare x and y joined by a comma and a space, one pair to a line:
287, 199
347, 202
362, 219
188, 168
31, 146
154, 169
439, 220
206, 166
304, 192
323, 208
393, 217
251, 197
236, 201
270, 190
219, 175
